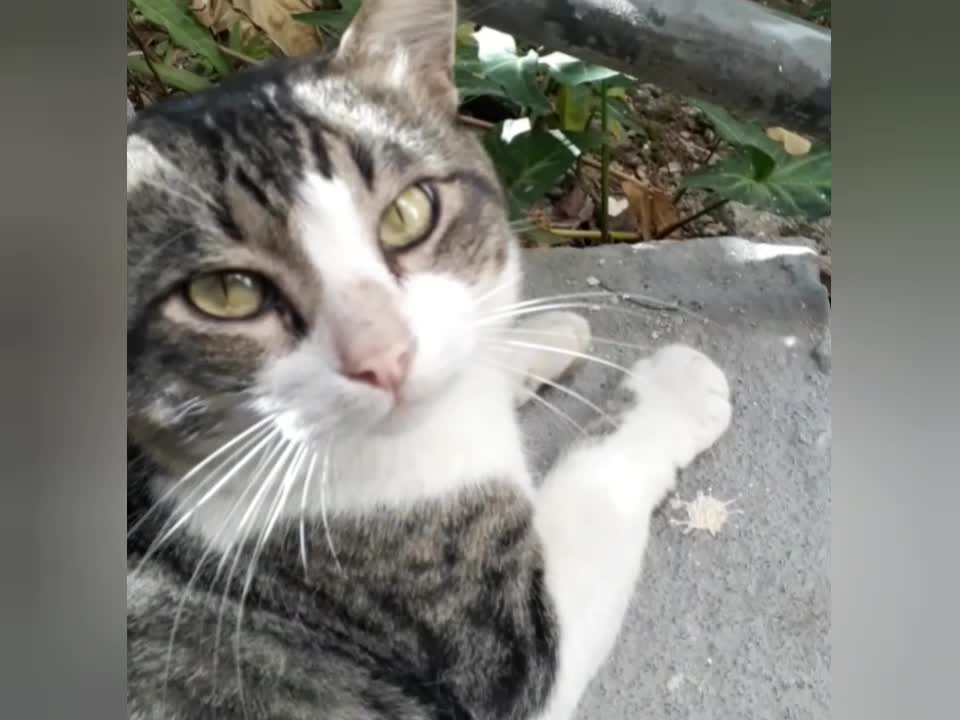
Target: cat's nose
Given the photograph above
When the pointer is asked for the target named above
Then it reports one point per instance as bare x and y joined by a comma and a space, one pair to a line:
385, 369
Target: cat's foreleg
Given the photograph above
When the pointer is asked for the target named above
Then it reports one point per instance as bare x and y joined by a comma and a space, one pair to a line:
594, 508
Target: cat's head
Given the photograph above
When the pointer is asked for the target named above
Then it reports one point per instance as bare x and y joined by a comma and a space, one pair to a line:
312, 242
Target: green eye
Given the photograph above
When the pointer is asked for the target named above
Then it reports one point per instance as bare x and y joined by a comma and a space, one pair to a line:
408, 219
227, 295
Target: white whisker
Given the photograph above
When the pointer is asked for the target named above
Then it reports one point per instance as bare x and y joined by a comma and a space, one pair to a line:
564, 351
323, 504
284, 467
242, 535
593, 307
303, 512
197, 468
185, 517
553, 333
211, 545
566, 391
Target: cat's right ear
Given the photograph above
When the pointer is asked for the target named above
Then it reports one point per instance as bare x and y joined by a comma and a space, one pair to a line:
405, 43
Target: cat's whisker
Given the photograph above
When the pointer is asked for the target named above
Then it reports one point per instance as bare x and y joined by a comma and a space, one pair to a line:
303, 512
217, 487
290, 467
553, 333
500, 286
497, 318
243, 530
593, 294
324, 478
565, 390
197, 468
239, 540
210, 547
564, 351
532, 395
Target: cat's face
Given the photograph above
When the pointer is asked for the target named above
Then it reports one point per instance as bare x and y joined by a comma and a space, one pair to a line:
314, 243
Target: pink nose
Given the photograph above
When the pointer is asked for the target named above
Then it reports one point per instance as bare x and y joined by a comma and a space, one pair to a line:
386, 369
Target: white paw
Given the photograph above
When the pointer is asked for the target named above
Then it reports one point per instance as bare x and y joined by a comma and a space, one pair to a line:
567, 332
683, 398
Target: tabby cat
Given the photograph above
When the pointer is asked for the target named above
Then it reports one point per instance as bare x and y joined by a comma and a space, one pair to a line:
329, 511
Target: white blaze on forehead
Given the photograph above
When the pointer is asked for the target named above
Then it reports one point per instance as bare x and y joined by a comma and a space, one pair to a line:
336, 235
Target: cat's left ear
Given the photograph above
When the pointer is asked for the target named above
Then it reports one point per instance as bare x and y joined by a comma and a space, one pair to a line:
406, 43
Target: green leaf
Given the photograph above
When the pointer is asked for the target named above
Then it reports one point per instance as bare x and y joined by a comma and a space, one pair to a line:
529, 165
334, 21
574, 106
568, 70
184, 30
735, 132
618, 112
173, 76
516, 75
820, 10
468, 74
587, 140
797, 186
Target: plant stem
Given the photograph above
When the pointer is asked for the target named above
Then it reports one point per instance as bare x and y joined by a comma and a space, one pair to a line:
604, 167
592, 234
662, 233
132, 32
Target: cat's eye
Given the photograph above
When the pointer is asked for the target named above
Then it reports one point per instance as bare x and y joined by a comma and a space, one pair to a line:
227, 295
409, 218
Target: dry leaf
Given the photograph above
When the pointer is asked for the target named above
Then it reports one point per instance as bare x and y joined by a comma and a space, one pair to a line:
273, 17
653, 208
794, 144
576, 205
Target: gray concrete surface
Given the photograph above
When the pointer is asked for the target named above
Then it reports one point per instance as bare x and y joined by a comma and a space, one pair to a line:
734, 624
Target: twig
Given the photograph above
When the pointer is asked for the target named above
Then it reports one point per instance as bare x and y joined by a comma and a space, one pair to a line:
593, 234
627, 298
132, 32
475, 122
673, 227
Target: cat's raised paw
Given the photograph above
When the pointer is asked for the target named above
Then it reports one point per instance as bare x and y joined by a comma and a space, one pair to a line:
684, 395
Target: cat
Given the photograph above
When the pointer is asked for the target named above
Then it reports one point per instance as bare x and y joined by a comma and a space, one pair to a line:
330, 515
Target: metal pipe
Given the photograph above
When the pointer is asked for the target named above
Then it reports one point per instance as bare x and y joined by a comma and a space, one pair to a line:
758, 63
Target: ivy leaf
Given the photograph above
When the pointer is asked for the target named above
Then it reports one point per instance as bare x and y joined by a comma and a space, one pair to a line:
570, 71
738, 133
333, 21
529, 165
469, 77
184, 30
516, 75
796, 186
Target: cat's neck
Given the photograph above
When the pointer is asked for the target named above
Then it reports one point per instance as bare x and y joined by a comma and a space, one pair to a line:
469, 436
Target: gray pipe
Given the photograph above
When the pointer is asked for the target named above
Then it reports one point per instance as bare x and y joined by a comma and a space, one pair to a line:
758, 63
